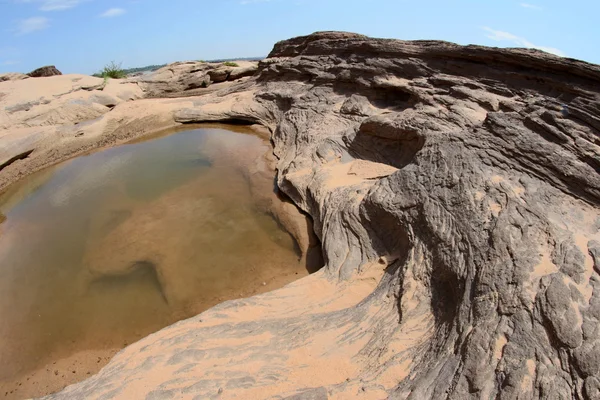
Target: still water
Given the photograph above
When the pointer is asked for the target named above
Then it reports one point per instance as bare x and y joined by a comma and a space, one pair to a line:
102, 250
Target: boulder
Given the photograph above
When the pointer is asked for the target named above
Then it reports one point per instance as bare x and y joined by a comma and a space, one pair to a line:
242, 72
49, 70
219, 74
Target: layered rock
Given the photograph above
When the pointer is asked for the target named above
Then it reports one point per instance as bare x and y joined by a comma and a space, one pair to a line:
48, 70
456, 192
43, 115
12, 76
191, 77
36, 114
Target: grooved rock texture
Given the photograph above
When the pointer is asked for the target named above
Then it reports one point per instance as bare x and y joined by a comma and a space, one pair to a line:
38, 114
49, 70
456, 193
12, 76
191, 78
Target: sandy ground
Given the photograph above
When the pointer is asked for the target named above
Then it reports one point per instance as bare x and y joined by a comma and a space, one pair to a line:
67, 370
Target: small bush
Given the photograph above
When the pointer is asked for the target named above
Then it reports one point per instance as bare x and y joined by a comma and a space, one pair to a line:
113, 70
230, 64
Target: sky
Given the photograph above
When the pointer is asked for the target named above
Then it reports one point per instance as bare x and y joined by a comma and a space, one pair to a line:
81, 36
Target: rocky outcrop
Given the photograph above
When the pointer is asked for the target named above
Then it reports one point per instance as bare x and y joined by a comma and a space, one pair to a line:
49, 70
455, 191
191, 78
60, 100
44, 114
36, 114
12, 76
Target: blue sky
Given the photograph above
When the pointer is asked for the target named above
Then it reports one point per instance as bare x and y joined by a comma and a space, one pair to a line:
81, 36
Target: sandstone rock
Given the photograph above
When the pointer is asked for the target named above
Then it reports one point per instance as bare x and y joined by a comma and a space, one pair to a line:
591, 389
61, 100
12, 76
191, 78
49, 70
559, 309
587, 357
594, 249
358, 105
462, 140
457, 205
310, 394
219, 74
242, 72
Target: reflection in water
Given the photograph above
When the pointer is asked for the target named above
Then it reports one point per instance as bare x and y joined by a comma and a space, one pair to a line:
108, 247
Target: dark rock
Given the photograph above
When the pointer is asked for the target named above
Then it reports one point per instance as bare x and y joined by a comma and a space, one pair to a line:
49, 70
22, 107
558, 309
491, 194
594, 250
309, 394
591, 389
219, 74
587, 357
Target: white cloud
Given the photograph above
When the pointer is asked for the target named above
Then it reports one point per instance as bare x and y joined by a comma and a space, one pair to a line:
112, 12
54, 5
501, 36
32, 24
530, 6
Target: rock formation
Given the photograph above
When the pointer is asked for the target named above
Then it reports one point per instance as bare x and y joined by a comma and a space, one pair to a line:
12, 76
191, 77
456, 192
49, 70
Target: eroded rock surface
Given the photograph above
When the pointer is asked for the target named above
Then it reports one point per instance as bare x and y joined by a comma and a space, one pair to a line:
48, 70
456, 193
191, 78
12, 76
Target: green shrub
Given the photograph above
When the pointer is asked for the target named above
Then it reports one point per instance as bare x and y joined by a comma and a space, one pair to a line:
113, 70
230, 64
